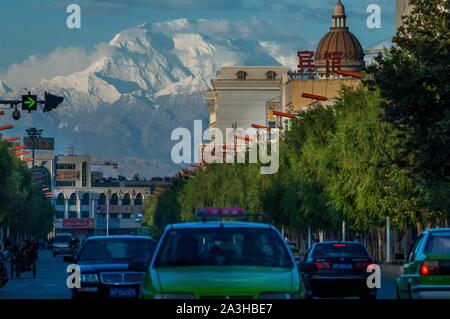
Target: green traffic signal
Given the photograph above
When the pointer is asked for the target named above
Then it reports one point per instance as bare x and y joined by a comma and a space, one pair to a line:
29, 102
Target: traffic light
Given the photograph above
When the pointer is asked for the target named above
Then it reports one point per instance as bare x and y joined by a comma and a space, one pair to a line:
52, 102
29, 102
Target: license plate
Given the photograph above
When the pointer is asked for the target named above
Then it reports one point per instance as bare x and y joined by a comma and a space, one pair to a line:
342, 266
122, 292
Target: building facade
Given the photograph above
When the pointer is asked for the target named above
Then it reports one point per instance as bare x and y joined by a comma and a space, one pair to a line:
82, 198
240, 95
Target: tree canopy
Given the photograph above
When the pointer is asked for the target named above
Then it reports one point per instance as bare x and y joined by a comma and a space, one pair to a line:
23, 207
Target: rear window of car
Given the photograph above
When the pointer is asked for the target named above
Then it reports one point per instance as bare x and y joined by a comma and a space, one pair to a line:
438, 243
339, 250
62, 239
223, 247
117, 249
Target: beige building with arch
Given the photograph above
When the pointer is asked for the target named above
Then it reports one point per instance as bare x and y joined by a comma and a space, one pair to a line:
81, 196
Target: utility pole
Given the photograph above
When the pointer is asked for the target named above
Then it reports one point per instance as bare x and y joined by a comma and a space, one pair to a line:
309, 237
388, 239
343, 231
34, 134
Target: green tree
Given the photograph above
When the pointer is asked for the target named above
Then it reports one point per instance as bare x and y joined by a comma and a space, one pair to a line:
23, 207
415, 75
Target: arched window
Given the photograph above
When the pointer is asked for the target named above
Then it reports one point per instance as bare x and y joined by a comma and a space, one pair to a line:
84, 174
241, 75
114, 199
271, 75
73, 199
102, 199
126, 200
85, 199
138, 200
60, 199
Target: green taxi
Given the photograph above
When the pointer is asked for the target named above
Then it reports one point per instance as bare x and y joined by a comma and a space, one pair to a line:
215, 259
426, 273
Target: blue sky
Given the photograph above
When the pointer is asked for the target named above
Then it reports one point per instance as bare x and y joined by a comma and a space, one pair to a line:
38, 27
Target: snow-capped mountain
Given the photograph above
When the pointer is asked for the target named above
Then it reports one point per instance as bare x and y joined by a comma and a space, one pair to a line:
159, 59
126, 103
4, 89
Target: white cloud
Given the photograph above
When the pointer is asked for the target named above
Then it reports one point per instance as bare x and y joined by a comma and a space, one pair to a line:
62, 61
285, 57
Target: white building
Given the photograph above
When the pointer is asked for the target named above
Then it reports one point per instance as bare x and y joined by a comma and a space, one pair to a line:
240, 95
81, 201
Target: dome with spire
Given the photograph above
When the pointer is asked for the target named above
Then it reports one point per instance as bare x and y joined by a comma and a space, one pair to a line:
339, 42
339, 9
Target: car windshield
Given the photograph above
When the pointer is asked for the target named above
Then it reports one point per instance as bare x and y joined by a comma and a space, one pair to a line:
117, 249
62, 239
223, 247
340, 250
438, 244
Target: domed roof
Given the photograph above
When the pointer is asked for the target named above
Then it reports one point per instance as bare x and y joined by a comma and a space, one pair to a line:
340, 42
339, 9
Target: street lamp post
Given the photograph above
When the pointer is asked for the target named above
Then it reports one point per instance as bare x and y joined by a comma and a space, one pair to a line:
107, 217
34, 134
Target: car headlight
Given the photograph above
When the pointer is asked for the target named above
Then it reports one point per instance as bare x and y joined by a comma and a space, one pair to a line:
277, 295
175, 296
89, 278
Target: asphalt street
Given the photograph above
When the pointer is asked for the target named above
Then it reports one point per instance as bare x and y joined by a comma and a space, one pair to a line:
50, 282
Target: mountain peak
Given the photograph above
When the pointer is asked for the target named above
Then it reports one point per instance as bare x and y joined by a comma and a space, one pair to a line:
4, 88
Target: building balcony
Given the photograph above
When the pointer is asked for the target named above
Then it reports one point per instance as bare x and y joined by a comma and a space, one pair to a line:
121, 209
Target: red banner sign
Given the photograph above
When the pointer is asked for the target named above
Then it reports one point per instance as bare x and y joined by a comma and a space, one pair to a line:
78, 223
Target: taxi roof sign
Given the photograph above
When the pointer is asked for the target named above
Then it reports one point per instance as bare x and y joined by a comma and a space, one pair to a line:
220, 212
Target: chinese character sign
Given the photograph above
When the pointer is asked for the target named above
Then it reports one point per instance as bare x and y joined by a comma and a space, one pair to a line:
306, 65
334, 60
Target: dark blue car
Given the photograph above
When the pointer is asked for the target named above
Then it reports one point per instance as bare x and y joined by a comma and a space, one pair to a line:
112, 266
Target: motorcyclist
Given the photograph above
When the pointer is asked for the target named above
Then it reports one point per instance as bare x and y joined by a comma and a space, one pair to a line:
3, 271
75, 245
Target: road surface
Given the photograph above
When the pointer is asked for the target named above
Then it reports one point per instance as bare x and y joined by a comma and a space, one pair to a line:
50, 282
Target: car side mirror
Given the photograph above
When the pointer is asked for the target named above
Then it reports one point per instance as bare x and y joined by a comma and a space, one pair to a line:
307, 267
69, 259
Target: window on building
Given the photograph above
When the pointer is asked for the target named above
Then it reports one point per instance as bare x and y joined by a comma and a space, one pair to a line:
66, 167
85, 199
65, 183
102, 199
73, 199
138, 200
59, 214
271, 75
126, 216
241, 75
114, 199
72, 214
60, 199
84, 214
126, 200
84, 174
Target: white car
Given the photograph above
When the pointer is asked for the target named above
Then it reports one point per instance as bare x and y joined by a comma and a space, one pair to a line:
61, 244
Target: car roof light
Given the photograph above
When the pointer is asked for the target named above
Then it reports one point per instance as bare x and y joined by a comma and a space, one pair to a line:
220, 212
